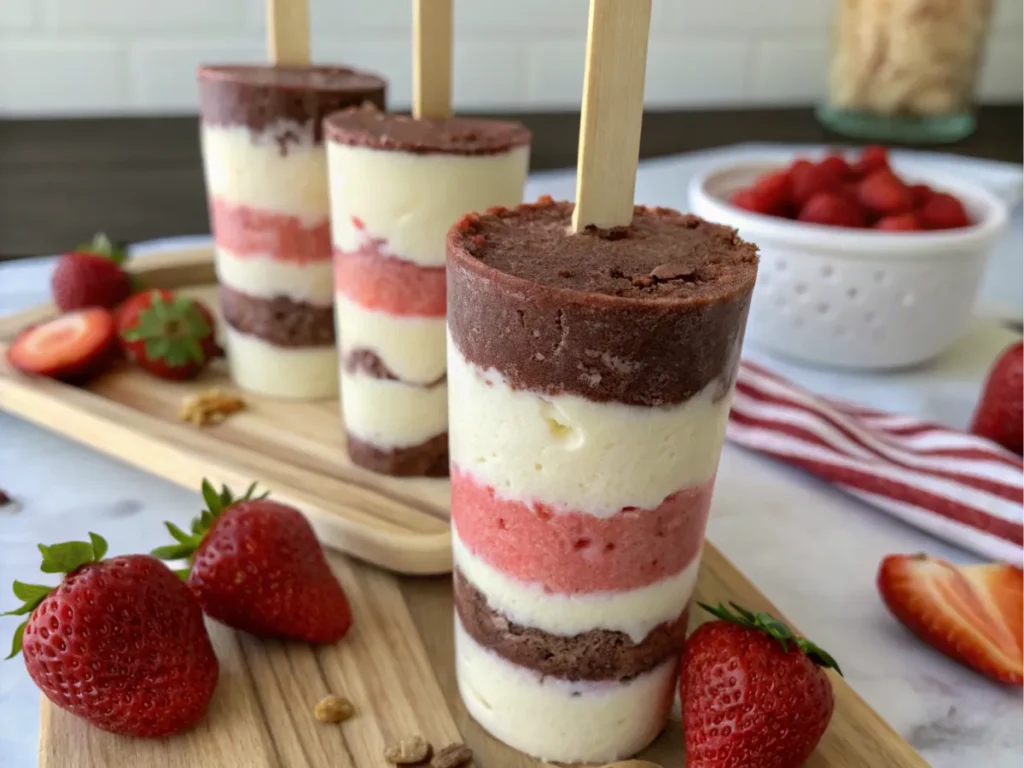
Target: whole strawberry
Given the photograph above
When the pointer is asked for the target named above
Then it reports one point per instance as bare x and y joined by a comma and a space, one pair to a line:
1000, 413
754, 695
256, 565
120, 643
91, 276
167, 334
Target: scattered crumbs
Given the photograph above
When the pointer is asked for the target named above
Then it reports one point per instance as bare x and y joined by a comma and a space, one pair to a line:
210, 406
411, 751
4, 498
333, 709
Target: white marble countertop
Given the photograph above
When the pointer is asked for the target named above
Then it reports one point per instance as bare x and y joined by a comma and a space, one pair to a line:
811, 550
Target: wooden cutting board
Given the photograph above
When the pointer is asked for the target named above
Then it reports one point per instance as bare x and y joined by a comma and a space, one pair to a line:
294, 449
396, 667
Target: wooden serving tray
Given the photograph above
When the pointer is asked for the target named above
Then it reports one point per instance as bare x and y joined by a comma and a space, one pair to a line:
396, 667
296, 450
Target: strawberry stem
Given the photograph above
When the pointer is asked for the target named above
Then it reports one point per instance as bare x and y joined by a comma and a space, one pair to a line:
778, 630
101, 245
66, 557
187, 543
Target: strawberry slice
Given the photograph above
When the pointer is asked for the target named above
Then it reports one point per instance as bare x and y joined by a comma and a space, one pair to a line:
973, 614
72, 347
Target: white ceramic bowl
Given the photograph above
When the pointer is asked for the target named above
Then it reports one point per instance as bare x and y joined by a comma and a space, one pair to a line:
856, 298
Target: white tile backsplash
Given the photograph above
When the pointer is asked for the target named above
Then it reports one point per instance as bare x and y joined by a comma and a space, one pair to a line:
17, 14
139, 56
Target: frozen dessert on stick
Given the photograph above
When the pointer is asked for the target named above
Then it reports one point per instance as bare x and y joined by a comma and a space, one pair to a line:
266, 182
592, 350
397, 184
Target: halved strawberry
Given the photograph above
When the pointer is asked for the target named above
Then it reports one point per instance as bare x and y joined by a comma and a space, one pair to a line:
71, 347
973, 614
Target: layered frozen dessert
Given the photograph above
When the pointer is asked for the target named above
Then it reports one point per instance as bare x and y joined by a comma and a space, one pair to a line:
266, 180
589, 381
397, 184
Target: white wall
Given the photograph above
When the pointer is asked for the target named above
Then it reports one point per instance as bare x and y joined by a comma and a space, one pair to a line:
76, 57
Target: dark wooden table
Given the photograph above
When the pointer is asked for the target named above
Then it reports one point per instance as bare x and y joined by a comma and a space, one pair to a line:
141, 178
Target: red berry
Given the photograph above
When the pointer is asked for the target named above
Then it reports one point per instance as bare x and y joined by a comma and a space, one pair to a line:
942, 211
745, 199
72, 347
120, 643
833, 210
83, 280
884, 194
808, 180
837, 164
900, 222
167, 334
771, 193
1000, 412
921, 193
872, 158
258, 566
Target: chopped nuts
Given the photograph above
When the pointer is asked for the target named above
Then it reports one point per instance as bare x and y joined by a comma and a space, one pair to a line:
408, 751
334, 709
210, 406
452, 756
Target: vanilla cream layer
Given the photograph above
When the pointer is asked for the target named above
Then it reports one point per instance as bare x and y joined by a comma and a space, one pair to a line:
411, 200
581, 455
296, 373
412, 348
244, 167
391, 414
555, 719
266, 278
634, 612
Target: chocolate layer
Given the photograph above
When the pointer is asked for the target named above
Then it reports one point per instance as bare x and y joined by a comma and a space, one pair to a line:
362, 360
428, 459
647, 315
259, 96
595, 655
280, 321
369, 127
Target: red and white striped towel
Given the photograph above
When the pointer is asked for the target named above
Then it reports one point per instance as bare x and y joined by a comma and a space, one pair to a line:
954, 485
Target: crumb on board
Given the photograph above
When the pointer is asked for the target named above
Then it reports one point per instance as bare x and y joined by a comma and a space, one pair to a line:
211, 406
334, 709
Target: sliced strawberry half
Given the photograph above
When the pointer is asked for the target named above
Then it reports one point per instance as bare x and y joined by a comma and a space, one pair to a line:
974, 614
71, 347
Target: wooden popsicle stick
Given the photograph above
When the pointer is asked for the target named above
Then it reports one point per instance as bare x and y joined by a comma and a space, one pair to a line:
288, 32
431, 58
613, 106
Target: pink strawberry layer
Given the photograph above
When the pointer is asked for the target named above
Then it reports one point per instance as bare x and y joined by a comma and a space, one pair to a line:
573, 552
377, 280
249, 232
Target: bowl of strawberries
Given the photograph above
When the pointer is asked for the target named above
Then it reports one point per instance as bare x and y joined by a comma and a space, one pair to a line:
862, 265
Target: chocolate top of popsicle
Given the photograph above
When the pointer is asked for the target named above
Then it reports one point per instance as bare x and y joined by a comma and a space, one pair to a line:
258, 96
649, 314
369, 127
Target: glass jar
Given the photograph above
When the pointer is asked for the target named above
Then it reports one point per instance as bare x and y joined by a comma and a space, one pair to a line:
904, 70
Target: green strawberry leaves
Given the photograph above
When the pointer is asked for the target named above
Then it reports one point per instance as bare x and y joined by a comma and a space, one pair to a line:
66, 557
187, 543
101, 245
778, 630
173, 330
57, 558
